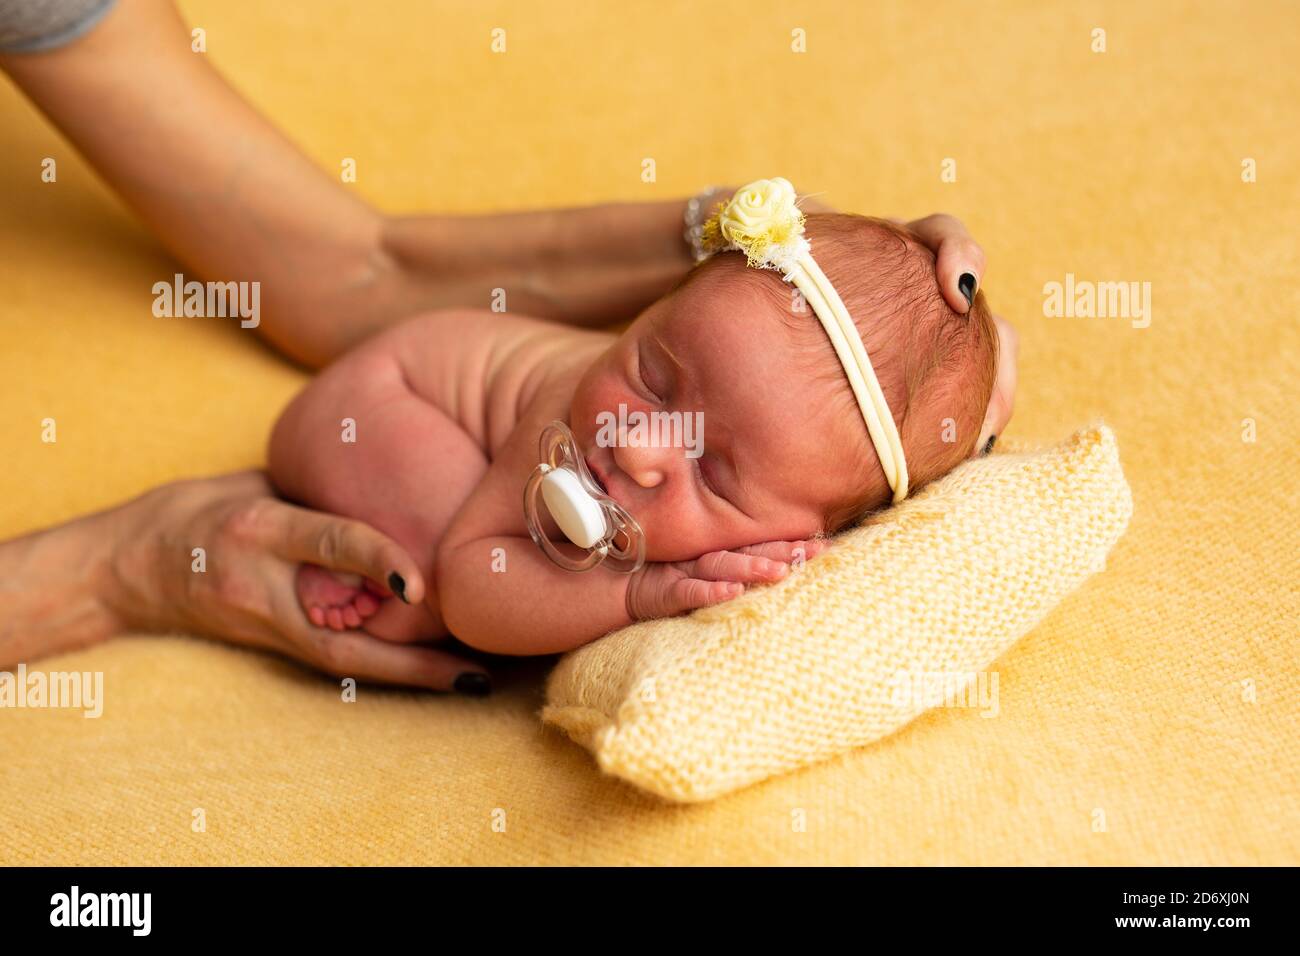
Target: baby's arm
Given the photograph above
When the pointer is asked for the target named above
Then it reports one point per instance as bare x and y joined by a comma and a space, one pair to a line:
499, 592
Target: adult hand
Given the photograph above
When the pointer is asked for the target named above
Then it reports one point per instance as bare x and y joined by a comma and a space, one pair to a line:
959, 260
253, 544
959, 265
1003, 400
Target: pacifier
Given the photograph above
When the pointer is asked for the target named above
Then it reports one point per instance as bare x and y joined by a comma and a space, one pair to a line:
589, 518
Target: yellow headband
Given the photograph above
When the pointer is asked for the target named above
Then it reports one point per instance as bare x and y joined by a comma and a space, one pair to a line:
763, 221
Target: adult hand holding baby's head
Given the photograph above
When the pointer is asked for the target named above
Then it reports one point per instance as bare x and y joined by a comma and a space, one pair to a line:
959, 260
959, 265
1003, 400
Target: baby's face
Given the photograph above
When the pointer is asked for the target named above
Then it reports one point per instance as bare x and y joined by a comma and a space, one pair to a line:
766, 467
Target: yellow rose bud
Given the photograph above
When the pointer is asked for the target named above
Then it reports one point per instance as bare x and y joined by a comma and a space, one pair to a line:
761, 216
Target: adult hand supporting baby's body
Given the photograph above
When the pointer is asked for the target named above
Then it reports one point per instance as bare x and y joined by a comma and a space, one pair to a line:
214, 556
254, 543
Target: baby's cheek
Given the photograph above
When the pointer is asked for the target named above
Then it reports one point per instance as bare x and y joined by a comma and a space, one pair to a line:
670, 537
676, 530
597, 397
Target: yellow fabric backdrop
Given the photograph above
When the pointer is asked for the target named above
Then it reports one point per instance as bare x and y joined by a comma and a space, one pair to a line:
1133, 699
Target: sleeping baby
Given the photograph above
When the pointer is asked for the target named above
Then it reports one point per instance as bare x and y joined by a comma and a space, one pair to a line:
827, 375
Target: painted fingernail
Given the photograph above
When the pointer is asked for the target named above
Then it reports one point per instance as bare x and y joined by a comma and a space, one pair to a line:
398, 586
473, 684
966, 285
988, 445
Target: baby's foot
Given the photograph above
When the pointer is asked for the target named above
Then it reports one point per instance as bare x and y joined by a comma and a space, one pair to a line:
337, 601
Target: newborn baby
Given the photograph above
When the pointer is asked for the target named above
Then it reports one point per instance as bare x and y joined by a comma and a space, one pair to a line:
429, 432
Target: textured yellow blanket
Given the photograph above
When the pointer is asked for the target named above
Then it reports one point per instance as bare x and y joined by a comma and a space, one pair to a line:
1150, 719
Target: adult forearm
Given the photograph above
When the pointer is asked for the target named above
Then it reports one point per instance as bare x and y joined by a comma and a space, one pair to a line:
587, 266
234, 200
223, 190
53, 587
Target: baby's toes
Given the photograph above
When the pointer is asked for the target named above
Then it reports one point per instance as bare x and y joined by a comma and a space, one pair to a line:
337, 601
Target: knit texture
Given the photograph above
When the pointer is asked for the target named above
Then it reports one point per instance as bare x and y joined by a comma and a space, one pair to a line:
910, 608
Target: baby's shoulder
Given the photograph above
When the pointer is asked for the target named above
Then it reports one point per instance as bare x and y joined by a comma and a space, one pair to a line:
492, 366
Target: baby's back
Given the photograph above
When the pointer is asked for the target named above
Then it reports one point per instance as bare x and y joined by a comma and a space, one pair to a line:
400, 432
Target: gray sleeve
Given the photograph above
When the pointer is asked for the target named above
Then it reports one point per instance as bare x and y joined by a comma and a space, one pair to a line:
27, 26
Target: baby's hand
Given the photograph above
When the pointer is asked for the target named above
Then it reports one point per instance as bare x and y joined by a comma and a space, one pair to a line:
670, 588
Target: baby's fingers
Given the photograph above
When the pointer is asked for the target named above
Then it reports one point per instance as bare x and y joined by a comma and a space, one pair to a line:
689, 594
739, 567
787, 551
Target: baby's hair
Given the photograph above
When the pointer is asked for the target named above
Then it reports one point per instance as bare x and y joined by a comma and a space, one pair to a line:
936, 367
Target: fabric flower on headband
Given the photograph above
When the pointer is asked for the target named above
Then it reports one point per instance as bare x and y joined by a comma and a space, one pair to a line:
763, 221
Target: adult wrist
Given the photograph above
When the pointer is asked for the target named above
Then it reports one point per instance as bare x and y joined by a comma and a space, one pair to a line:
696, 213
56, 586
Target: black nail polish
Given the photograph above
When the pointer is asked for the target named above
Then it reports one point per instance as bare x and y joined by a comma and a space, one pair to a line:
398, 586
966, 285
988, 445
473, 684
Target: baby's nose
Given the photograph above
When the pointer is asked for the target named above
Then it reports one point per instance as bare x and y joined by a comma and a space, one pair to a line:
648, 466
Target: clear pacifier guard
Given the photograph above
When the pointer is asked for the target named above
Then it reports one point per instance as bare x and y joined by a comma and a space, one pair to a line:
589, 518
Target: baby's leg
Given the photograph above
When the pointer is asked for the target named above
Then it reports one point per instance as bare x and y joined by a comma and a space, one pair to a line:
359, 442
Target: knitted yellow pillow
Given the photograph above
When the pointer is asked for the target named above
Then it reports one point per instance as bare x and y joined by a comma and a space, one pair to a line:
860, 640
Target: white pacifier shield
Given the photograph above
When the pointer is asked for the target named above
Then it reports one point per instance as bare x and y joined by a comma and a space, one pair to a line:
578, 514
